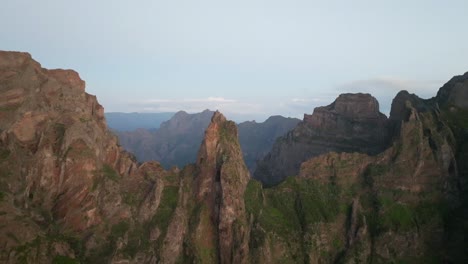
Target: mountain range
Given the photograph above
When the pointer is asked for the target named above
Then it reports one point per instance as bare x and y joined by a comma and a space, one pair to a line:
177, 140
368, 189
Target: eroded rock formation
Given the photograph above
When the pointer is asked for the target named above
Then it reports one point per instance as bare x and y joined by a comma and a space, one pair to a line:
69, 193
352, 123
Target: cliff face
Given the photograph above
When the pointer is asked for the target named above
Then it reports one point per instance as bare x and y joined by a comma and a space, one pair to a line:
63, 175
406, 204
70, 194
352, 123
68, 191
221, 179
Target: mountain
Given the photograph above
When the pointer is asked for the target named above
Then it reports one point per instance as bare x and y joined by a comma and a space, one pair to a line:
132, 121
176, 142
256, 139
406, 203
70, 194
352, 123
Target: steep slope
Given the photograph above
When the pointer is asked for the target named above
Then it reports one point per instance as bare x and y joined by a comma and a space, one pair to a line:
256, 139
352, 123
404, 205
63, 176
221, 180
70, 194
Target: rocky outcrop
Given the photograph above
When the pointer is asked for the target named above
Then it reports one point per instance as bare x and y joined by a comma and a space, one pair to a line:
403, 204
352, 123
62, 172
69, 193
454, 92
221, 180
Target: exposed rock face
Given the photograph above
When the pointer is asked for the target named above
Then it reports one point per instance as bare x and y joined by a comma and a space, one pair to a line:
69, 193
220, 183
404, 204
352, 123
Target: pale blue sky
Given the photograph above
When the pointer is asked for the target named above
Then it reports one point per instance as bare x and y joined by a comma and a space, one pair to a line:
251, 58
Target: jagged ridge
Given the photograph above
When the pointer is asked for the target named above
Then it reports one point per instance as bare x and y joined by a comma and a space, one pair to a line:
71, 193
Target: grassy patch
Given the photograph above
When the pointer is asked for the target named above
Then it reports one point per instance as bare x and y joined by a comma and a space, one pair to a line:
119, 229
279, 212
109, 173
64, 260
138, 239
253, 197
318, 202
227, 132
85, 120
9, 108
24, 251
130, 199
4, 154
375, 170
397, 216
166, 207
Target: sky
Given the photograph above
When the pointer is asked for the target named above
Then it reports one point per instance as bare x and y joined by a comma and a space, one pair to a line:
248, 58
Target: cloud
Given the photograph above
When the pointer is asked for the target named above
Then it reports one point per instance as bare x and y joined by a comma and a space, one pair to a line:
239, 110
193, 105
188, 101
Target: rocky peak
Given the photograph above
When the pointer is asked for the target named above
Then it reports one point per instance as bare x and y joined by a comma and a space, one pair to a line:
454, 92
352, 123
356, 105
221, 184
218, 118
402, 105
68, 78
